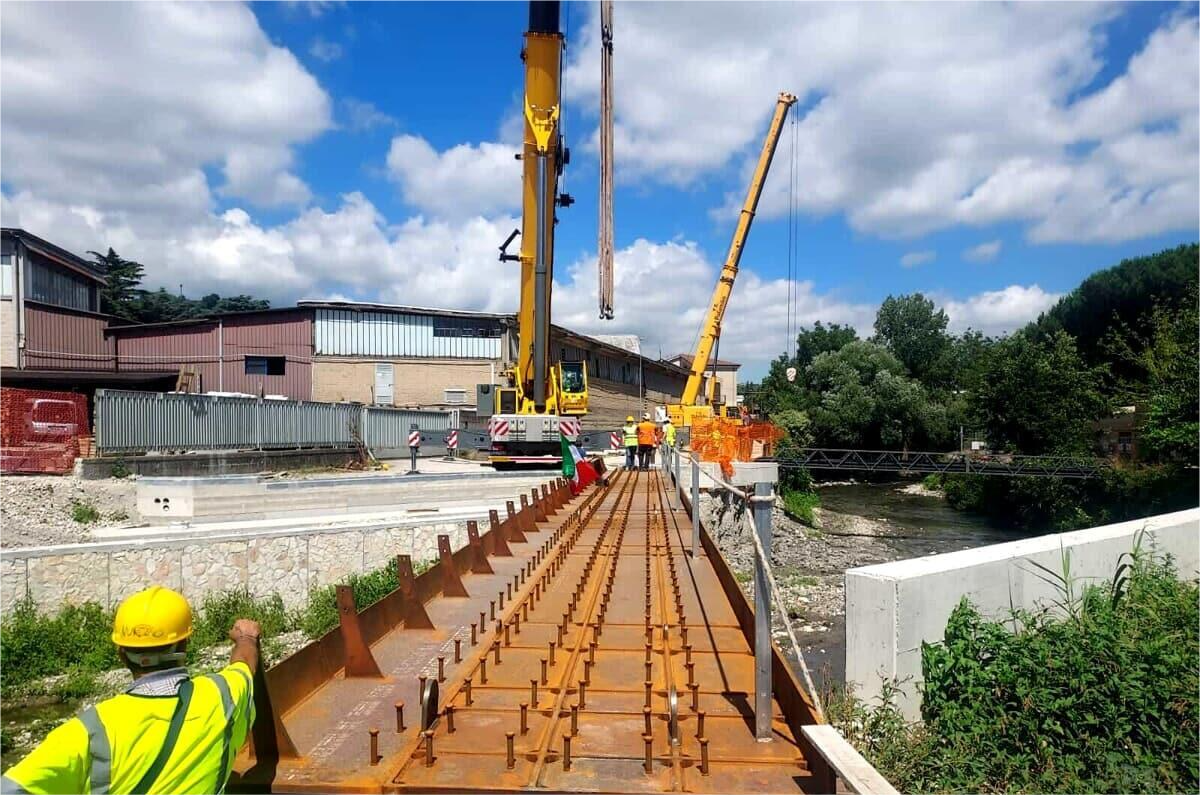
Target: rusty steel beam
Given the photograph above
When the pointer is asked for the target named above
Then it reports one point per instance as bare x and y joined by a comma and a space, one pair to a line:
598, 656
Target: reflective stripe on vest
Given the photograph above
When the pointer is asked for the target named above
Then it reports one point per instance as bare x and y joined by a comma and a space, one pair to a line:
227, 704
98, 749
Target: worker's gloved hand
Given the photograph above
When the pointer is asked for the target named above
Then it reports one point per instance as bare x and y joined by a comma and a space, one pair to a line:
245, 628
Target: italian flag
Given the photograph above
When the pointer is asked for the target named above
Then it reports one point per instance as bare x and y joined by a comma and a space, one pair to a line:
575, 467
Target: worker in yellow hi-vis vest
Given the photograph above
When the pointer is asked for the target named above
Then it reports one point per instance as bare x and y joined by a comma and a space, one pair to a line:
167, 732
669, 432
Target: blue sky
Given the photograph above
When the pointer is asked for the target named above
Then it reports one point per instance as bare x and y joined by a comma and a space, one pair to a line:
989, 155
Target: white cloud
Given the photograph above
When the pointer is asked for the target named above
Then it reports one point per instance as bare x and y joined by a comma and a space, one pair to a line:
324, 50
462, 181
127, 132
913, 116
755, 324
914, 258
999, 311
363, 116
984, 252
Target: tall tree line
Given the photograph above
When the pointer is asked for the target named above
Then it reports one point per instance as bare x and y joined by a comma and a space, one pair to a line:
123, 297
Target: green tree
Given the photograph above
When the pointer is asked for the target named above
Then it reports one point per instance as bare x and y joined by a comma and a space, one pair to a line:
812, 342
914, 330
1038, 396
863, 398
1124, 294
122, 277
1167, 382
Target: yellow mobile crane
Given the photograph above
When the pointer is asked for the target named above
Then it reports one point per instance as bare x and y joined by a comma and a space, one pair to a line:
538, 399
687, 410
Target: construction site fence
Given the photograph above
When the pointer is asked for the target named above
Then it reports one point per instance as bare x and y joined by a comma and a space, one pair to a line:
143, 422
41, 430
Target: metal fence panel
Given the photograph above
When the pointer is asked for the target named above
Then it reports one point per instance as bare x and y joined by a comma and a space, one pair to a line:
141, 422
385, 431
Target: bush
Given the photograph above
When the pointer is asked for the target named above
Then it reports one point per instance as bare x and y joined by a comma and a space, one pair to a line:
800, 504
1101, 699
33, 646
84, 512
219, 610
321, 614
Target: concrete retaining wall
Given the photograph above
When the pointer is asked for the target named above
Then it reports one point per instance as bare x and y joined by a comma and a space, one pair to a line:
892, 608
286, 562
212, 464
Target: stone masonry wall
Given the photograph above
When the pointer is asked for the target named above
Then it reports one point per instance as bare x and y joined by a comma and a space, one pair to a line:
283, 562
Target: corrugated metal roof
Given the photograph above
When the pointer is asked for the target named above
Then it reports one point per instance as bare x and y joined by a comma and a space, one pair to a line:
364, 306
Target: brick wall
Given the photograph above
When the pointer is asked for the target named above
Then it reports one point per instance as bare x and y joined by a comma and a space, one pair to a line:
609, 403
417, 382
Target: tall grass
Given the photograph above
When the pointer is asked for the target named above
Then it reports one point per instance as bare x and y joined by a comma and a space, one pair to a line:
76, 641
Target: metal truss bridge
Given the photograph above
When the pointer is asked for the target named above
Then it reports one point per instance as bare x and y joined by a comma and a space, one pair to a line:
1044, 466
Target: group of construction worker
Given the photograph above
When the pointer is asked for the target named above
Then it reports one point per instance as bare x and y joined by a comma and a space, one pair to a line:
169, 731
642, 438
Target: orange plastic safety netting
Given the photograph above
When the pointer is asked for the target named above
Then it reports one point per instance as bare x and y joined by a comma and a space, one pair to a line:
40, 430
723, 440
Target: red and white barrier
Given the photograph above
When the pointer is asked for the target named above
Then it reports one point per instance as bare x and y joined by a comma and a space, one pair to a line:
614, 441
569, 427
498, 429
414, 439
452, 440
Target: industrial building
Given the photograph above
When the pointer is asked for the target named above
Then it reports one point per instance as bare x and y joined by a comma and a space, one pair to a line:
404, 356
52, 334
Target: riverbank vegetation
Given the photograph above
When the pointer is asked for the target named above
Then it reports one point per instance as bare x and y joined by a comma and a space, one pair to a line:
1098, 696
68, 654
1127, 336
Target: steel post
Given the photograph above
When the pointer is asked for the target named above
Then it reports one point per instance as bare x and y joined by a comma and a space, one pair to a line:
762, 615
695, 505
678, 486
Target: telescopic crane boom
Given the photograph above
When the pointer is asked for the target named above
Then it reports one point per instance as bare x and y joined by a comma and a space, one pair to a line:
528, 412
687, 410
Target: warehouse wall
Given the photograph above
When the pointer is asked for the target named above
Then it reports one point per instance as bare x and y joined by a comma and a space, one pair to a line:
610, 403
418, 382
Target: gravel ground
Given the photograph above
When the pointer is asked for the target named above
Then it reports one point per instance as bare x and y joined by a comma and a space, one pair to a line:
35, 510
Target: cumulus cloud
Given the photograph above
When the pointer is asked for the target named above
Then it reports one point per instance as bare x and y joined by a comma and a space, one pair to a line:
913, 117
914, 258
126, 133
999, 311
984, 252
462, 181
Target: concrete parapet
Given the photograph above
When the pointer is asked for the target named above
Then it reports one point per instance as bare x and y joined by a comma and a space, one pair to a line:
284, 561
892, 608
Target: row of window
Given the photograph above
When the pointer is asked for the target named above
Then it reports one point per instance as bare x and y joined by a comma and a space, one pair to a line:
466, 327
49, 285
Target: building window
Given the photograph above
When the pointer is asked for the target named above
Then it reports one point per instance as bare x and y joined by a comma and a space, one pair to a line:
455, 396
50, 285
465, 327
265, 365
6, 275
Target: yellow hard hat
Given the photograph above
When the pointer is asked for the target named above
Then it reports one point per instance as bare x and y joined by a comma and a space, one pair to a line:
156, 616
629, 418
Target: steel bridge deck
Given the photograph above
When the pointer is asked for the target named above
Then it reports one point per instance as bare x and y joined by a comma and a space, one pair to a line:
618, 664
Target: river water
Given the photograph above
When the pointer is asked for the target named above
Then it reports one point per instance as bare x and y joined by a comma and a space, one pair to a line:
910, 525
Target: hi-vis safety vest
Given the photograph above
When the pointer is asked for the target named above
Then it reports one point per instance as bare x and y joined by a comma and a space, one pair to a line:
123, 744
630, 432
669, 433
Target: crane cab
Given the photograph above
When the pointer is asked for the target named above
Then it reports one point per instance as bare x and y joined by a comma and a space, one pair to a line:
572, 389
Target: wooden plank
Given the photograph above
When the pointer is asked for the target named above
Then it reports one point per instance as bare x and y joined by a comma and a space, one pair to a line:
855, 772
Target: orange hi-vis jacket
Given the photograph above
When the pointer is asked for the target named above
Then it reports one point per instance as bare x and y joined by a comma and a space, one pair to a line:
646, 432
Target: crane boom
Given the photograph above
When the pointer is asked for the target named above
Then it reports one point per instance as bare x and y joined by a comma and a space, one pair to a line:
711, 329
527, 413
